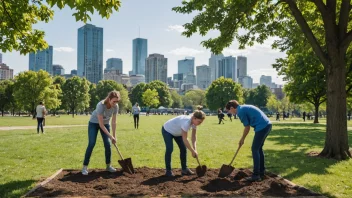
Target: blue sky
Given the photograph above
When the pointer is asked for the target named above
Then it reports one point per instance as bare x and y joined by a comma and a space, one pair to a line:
158, 23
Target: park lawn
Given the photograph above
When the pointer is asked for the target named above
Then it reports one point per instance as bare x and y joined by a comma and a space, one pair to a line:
26, 158
50, 120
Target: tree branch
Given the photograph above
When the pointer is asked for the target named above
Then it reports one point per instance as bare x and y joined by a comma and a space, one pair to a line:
347, 40
322, 7
343, 19
307, 32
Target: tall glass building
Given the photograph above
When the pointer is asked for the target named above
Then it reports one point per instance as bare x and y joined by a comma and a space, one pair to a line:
58, 70
203, 76
139, 55
228, 68
186, 66
90, 53
42, 60
114, 64
214, 65
241, 66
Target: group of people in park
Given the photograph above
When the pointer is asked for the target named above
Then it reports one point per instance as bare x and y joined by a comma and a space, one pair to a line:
177, 129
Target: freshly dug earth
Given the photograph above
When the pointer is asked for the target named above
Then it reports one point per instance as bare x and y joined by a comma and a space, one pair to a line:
152, 182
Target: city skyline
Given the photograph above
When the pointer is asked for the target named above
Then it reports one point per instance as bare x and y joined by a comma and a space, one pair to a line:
163, 34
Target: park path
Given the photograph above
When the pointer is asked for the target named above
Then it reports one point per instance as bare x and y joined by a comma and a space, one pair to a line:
7, 128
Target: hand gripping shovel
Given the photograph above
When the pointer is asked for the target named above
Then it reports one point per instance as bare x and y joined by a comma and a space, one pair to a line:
201, 170
126, 164
226, 170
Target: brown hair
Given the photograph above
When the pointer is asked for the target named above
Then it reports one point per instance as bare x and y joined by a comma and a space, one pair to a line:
111, 95
232, 103
199, 114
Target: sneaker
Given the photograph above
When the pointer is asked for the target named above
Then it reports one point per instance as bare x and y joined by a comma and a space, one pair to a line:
254, 178
187, 171
110, 169
169, 173
84, 170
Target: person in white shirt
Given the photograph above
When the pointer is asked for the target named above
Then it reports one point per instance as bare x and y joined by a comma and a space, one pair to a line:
40, 114
136, 110
177, 128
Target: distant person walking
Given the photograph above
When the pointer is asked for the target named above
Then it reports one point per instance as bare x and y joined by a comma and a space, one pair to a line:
277, 116
40, 114
229, 115
136, 110
221, 116
304, 116
99, 120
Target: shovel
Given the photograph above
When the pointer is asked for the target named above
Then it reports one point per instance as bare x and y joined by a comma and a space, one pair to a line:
226, 170
126, 164
200, 170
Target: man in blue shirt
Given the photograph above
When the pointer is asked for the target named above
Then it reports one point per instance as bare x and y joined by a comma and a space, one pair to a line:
252, 116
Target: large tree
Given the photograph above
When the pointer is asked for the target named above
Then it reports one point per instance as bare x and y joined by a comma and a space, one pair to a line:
194, 98
163, 92
137, 92
258, 96
31, 87
330, 19
18, 17
177, 99
6, 95
150, 98
75, 94
221, 91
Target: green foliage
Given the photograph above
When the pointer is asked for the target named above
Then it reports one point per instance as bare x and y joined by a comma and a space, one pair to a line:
193, 98
163, 92
31, 88
137, 92
6, 95
19, 16
93, 96
221, 91
150, 98
273, 104
258, 96
177, 99
76, 94
105, 86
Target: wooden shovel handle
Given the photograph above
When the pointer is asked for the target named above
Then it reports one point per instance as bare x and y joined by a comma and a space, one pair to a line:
235, 155
118, 151
198, 162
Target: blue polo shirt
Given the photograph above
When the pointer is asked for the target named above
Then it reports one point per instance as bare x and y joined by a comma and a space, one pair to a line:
252, 116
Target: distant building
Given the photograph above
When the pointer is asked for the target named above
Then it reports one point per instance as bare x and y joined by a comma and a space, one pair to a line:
42, 60
203, 76
246, 82
136, 79
156, 68
266, 80
5, 72
58, 70
186, 66
113, 64
139, 55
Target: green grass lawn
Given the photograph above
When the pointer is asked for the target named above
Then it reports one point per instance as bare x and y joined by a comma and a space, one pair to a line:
26, 158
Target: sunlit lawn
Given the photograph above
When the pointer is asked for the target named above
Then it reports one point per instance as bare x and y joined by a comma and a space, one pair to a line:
26, 158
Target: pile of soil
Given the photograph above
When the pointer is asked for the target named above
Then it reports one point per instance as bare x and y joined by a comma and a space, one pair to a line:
152, 182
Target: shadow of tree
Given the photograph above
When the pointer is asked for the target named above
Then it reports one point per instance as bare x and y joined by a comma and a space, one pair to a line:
15, 188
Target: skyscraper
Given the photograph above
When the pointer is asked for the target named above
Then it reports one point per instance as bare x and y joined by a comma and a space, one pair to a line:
241, 66
246, 82
156, 68
186, 66
203, 76
114, 64
139, 54
5, 72
214, 65
90, 53
42, 60
58, 70
227, 68
266, 80
0, 58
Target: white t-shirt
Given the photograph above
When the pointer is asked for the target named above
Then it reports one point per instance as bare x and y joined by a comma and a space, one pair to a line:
136, 110
177, 124
40, 109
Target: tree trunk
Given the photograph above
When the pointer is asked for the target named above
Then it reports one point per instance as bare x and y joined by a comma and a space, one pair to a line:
2, 112
73, 112
316, 113
336, 140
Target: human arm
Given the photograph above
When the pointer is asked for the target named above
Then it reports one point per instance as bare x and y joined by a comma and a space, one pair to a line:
102, 126
186, 142
244, 135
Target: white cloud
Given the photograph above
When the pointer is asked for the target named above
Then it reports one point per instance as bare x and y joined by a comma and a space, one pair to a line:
64, 49
185, 51
109, 50
178, 28
235, 52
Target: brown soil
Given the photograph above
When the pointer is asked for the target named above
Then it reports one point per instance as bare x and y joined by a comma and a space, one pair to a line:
152, 182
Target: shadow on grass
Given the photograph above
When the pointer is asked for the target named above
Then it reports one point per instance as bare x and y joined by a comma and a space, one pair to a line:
15, 188
318, 189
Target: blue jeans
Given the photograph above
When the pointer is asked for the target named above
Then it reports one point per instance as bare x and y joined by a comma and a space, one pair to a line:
257, 150
168, 137
93, 129
40, 124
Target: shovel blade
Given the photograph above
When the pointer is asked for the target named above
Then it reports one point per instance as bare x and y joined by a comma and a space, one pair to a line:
126, 165
201, 170
225, 170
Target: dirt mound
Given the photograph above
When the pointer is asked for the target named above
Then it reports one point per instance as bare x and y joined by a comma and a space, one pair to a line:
152, 182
